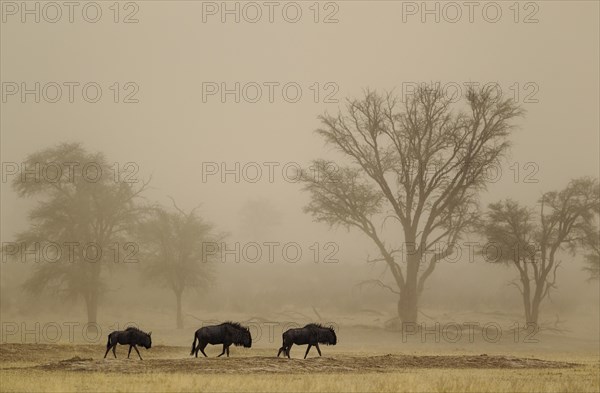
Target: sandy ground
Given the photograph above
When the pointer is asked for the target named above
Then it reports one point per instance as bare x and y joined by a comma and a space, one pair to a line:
163, 360
366, 359
82, 368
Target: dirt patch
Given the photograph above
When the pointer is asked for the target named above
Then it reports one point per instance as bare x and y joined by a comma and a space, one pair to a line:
44, 353
163, 359
266, 365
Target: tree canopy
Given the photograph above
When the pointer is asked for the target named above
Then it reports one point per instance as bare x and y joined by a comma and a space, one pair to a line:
422, 162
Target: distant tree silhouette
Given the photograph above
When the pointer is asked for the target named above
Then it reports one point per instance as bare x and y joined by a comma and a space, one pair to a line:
530, 240
83, 205
173, 253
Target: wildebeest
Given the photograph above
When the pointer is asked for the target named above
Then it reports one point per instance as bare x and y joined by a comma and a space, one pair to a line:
311, 334
226, 333
131, 336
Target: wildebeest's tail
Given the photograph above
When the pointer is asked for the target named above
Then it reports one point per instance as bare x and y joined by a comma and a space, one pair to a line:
282, 349
194, 344
108, 342
283, 346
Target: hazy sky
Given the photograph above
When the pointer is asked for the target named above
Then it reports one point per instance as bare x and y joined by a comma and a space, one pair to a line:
180, 51
171, 52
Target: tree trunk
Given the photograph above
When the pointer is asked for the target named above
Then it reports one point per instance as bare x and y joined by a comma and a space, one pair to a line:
92, 310
179, 313
91, 305
526, 297
407, 305
533, 318
535, 309
92, 296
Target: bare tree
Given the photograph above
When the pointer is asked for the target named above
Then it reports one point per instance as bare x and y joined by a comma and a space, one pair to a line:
173, 251
84, 211
530, 240
419, 163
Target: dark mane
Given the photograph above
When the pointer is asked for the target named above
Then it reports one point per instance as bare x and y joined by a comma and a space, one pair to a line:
235, 325
134, 329
318, 326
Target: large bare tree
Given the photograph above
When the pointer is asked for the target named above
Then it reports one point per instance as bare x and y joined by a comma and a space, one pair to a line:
422, 163
531, 240
77, 229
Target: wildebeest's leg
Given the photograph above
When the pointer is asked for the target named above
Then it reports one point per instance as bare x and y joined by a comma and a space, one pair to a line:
307, 349
115, 349
138, 352
107, 347
222, 353
228, 351
201, 348
129, 353
288, 351
282, 349
318, 349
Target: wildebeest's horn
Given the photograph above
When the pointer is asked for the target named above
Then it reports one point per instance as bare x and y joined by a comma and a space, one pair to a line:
149, 333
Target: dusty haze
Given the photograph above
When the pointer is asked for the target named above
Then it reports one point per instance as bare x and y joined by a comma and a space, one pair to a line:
173, 133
